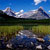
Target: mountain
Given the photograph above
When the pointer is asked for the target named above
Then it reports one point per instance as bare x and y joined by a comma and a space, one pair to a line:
33, 14
19, 14
36, 14
9, 12
49, 15
28, 14
5, 17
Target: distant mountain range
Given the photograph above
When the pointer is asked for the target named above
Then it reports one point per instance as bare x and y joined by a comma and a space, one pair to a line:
9, 12
33, 14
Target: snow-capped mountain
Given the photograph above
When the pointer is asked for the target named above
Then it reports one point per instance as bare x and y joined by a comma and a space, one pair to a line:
41, 14
28, 14
33, 14
19, 14
9, 12
36, 14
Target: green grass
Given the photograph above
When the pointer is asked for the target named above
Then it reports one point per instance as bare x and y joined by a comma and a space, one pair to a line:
14, 25
41, 29
5, 30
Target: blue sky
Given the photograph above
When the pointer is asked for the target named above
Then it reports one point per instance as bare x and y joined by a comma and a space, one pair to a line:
25, 5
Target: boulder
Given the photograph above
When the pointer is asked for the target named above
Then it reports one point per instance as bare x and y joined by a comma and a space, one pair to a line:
21, 46
40, 39
9, 46
27, 33
32, 44
39, 47
47, 38
48, 47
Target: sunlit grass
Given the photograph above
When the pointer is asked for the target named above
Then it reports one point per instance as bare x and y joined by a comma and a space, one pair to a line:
41, 29
5, 30
9, 30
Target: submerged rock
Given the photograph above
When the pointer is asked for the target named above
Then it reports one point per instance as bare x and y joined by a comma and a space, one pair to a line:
25, 41
27, 33
2, 44
39, 47
40, 39
22, 41
47, 38
48, 47
9, 46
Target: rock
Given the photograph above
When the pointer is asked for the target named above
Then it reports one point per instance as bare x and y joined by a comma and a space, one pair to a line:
47, 38
39, 47
21, 46
48, 47
2, 44
27, 33
40, 40
32, 43
9, 46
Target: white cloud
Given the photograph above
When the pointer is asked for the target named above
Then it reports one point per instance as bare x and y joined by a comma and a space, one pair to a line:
39, 1
49, 11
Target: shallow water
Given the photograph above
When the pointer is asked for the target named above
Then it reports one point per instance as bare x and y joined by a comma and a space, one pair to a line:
26, 43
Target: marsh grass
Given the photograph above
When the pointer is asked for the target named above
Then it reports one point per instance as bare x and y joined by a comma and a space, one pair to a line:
6, 30
41, 29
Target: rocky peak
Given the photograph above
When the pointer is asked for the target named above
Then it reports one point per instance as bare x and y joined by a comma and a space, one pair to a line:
40, 9
7, 9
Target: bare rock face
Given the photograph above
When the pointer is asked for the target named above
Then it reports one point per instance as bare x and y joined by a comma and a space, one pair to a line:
27, 33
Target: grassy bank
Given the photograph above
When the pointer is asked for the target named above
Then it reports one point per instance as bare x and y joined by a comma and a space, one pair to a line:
6, 30
41, 29
15, 25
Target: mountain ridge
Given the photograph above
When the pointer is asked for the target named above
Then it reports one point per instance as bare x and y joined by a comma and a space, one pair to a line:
33, 14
